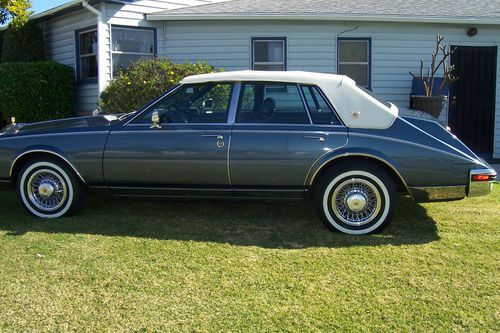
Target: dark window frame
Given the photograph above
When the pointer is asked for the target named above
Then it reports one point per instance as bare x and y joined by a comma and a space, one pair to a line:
281, 84
270, 39
325, 99
370, 60
78, 32
172, 92
125, 27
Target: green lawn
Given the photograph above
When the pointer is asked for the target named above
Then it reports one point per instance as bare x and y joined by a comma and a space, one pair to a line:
122, 265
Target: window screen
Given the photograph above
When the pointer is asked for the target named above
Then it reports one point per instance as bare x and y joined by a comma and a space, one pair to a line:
354, 60
269, 54
131, 44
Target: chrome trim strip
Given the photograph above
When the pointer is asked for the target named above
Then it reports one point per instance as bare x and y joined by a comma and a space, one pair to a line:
162, 131
192, 189
27, 135
294, 125
469, 159
180, 124
479, 188
439, 140
47, 152
363, 155
439, 193
293, 132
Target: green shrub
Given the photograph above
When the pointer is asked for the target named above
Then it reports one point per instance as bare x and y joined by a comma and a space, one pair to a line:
144, 81
36, 91
2, 32
23, 43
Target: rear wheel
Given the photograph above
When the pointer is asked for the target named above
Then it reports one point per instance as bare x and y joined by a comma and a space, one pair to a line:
48, 188
355, 199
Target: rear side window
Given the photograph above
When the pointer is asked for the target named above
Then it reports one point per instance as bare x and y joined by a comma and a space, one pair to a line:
320, 110
272, 103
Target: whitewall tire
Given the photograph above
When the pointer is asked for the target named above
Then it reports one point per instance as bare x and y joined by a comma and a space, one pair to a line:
49, 189
355, 199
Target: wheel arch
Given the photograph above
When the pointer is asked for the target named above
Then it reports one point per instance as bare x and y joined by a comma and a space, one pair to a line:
22, 158
325, 164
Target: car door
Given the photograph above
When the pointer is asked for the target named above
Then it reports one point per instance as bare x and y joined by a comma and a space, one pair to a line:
275, 141
178, 142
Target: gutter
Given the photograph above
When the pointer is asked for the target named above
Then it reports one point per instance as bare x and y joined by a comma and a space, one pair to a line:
101, 50
321, 17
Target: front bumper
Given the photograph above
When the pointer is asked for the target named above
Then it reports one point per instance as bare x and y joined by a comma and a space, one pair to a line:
483, 186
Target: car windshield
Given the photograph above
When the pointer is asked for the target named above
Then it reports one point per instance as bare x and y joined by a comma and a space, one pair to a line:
389, 105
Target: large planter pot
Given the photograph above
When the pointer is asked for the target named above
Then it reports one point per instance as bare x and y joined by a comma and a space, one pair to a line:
432, 105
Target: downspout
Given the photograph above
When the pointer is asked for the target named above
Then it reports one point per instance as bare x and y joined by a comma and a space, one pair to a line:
101, 49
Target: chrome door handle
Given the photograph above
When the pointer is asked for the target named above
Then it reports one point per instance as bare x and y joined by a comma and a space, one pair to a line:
217, 136
312, 137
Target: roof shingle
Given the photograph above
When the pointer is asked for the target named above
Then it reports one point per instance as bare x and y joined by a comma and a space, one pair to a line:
403, 8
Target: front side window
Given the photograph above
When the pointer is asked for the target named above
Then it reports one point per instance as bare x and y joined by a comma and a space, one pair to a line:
354, 60
271, 103
87, 54
192, 104
269, 54
320, 110
131, 44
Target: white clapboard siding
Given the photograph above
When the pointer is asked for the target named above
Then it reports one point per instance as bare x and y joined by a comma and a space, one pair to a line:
60, 46
60, 32
396, 49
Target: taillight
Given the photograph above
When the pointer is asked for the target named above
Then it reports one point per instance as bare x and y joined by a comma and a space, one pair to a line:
482, 178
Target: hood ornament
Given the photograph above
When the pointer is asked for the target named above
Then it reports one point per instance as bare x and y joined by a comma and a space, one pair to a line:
13, 120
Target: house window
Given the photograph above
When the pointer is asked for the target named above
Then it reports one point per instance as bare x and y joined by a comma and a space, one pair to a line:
87, 54
354, 60
269, 54
131, 44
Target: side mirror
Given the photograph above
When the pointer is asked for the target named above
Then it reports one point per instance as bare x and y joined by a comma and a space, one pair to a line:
155, 120
208, 104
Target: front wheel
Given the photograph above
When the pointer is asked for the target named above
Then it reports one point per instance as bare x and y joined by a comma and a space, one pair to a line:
49, 189
355, 199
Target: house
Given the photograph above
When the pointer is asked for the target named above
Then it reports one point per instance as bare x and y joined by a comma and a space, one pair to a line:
377, 42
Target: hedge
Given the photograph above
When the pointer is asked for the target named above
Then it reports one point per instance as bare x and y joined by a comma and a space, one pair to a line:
23, 43
36, 91
144, 81
2, 32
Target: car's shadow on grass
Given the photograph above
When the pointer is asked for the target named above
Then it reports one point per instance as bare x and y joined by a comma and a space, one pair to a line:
270, 224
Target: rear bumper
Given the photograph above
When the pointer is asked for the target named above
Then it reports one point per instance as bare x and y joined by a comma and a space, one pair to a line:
478, 188
474, 188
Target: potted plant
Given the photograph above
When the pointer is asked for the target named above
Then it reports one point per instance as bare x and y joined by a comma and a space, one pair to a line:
433, 100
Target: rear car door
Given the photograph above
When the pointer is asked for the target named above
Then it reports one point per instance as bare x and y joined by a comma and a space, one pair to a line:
188, 147
280, 130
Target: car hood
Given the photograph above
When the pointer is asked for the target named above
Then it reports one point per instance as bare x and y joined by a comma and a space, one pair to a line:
61, 125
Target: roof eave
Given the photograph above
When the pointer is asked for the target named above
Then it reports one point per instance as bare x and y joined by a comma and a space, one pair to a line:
333, 17
71, 5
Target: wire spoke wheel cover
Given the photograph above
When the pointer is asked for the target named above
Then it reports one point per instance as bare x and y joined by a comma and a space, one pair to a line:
356, 202
355, 199
46, 190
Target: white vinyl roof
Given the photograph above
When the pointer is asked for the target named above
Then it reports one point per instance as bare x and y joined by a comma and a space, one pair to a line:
356, 108
274, 76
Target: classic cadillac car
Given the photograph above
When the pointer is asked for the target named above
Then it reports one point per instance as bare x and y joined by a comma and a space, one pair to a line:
247, 134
